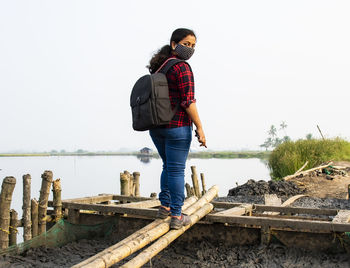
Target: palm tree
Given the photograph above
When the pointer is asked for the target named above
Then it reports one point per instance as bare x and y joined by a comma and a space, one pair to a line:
272, 132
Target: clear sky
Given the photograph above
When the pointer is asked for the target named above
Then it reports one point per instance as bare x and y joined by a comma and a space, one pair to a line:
67, 69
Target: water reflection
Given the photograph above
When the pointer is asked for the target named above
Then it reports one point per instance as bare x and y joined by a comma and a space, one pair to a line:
146, 159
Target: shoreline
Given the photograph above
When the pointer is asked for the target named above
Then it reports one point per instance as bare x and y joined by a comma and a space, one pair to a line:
202, 155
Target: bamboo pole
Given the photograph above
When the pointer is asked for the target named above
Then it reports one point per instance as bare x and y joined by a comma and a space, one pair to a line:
34, 215
124, 184
8, 185
306, 171
57, 200
13, 227
195, 181
300, 169
166, 239
137, 183
203, 184
112, 256
188, 202
27, 225
188, 190
43, 199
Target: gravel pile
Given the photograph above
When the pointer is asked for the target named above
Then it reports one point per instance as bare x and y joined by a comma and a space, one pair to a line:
259, 188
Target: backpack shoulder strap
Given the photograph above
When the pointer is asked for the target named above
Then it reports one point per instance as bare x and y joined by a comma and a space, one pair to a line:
164, 68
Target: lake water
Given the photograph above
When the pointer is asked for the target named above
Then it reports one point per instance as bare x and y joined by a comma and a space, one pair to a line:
92, 175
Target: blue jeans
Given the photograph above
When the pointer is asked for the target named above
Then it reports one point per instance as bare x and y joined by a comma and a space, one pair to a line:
173, 145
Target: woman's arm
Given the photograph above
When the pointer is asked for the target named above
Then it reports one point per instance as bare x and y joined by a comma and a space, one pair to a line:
193, 113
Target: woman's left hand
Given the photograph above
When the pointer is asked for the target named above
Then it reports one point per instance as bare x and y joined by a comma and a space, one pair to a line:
201, 137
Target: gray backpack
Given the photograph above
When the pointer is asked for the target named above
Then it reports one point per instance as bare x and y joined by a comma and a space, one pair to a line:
149, 100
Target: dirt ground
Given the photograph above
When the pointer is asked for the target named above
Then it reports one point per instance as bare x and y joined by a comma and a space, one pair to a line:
325, 186
321, 193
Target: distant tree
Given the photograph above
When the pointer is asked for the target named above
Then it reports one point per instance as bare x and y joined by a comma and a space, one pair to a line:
273, 139
283, 127
80, 151
63, 151
53, 152
277, 141
309, 136
286, 138
272, 132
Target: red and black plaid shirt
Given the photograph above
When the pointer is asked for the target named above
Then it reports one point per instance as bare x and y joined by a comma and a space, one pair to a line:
181, 90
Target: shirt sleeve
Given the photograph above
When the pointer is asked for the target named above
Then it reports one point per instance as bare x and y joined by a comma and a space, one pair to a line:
185, 82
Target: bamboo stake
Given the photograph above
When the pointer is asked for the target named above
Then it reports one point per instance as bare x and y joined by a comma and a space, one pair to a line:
34, 215
43, 199
112, 256
203, 184
166, 239
57, 201
131, 182
27, 225
8, 185
195, 181
306, 171
124, 184
188, 202
13, 227
300, 169
320, 132
188, 190
137, 183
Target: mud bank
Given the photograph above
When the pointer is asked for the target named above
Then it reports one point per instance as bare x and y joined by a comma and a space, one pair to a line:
179, 254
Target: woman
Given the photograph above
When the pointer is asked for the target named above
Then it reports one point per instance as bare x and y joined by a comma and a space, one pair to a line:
174, 139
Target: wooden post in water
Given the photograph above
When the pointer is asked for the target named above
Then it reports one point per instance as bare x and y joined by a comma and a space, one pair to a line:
13, 227
124, 184
188, 190
43, 199
195, 181
8, 185
57, 201
27, 226
34, 214
131, 182
203, 184
137, 183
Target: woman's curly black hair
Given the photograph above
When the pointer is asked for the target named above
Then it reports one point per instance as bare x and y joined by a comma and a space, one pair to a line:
165, 52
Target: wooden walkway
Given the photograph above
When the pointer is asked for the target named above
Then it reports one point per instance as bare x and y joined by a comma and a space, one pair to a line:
280, 221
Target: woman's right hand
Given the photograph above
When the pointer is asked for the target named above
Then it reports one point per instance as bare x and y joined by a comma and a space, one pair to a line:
201, 137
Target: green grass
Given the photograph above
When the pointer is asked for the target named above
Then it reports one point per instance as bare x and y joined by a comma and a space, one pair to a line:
288, 157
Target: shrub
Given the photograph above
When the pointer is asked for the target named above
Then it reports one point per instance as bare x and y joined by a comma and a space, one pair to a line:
289, 156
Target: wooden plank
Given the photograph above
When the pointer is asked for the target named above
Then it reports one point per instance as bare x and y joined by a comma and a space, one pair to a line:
272, 200
292, 224
240, 210
148, 212
286, 210
103, 198
285, 204
131, 198
343, 216
88, 199
141, 204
